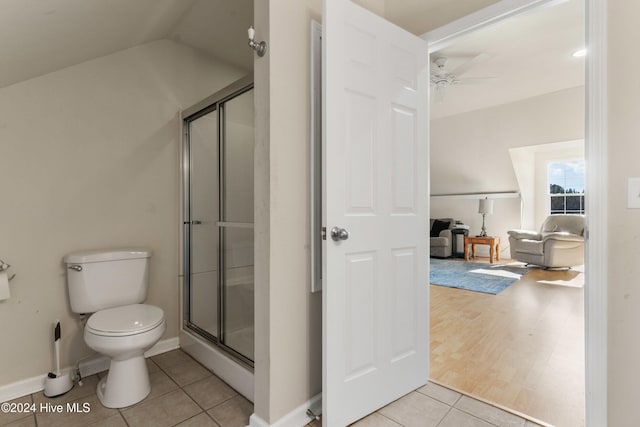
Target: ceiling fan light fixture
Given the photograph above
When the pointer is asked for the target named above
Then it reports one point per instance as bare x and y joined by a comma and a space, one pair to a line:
580, 53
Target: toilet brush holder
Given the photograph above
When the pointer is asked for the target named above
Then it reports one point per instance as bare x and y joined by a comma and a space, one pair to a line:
57, 384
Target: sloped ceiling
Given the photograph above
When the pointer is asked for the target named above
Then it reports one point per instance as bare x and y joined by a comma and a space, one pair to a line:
38, 37
219, 28
527, 55
421, 16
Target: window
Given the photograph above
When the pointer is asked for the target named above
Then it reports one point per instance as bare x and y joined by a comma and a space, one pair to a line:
566, 187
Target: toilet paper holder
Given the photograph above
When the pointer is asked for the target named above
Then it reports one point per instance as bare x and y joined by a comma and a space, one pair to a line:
4, 267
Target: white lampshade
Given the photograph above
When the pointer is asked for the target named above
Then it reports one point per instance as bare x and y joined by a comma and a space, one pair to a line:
485, 206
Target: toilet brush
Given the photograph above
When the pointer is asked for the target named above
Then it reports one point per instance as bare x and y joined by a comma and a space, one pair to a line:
56, 384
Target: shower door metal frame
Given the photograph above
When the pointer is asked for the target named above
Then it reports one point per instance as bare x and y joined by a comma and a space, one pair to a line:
212, 103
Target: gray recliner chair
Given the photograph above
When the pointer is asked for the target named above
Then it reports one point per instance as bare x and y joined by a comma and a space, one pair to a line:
440, 242
559, 244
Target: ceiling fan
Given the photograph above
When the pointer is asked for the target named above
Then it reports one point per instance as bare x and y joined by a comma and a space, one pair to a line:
441, 78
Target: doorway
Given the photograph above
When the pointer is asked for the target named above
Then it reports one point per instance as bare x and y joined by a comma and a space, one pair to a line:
500, 121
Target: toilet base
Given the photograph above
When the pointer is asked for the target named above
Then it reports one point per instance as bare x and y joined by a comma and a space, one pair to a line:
126, 383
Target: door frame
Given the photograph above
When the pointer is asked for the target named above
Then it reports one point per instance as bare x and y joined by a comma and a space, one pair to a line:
596, 273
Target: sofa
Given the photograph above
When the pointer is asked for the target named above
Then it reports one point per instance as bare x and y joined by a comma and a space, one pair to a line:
559, 244
440, 241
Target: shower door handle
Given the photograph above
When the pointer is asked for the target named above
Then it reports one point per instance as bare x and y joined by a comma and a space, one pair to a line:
338, 233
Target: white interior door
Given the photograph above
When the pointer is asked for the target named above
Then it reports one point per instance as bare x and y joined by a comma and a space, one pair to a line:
375, 176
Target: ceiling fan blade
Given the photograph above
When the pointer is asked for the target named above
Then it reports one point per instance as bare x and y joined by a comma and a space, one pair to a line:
463, 68
438, 95
475, 80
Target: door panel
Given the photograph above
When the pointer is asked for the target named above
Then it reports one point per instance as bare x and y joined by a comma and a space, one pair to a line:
204, 301
204, 192
204, 207
375, 176
237, 117
360, 154
237, 223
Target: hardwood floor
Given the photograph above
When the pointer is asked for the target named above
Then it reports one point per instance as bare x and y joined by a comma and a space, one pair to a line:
522, 349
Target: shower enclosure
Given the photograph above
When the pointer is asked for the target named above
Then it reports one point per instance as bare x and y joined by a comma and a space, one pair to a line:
218, 220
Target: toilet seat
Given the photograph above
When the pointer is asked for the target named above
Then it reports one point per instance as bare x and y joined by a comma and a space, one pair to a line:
126, 320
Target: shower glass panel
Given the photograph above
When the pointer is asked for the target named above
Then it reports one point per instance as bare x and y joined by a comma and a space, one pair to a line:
237, 222
238, 289
204, 231
218, 224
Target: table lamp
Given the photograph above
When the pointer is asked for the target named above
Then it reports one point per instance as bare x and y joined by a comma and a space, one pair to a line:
485, 206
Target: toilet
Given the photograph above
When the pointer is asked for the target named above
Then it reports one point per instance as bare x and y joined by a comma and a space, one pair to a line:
112, 285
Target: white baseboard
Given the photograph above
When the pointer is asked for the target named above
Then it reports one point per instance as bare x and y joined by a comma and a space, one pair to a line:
88, 367
296, 418
163, 346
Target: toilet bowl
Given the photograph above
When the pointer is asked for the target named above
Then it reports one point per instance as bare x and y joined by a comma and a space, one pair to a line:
124, 334
112, 284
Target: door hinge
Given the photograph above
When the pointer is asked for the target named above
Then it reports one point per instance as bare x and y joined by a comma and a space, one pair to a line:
324, 233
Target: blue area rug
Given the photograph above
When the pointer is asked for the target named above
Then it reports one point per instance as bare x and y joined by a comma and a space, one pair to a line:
477, 277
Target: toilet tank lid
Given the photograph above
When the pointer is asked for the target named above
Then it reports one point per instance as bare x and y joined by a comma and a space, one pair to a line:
101, 255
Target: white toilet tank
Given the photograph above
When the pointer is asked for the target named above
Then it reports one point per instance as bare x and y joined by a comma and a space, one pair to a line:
107, 278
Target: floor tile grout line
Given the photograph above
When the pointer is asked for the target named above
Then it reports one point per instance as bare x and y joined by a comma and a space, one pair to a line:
181, 388
198, 414
123, 418
201, 379
390, 419
491, 406
451, 408
445, 416
441, 401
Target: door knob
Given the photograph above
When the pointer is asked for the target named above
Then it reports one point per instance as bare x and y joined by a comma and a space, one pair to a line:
338, 233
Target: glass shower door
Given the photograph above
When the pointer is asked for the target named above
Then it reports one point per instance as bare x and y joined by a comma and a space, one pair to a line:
218, 222
203, 229
236, 225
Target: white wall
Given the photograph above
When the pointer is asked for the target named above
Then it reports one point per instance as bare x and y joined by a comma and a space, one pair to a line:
470, 154
89, 159
288, 365
506, 216
624, 224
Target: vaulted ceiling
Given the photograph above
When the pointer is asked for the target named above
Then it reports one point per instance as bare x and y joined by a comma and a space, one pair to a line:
38, 37
528, 55
522, 57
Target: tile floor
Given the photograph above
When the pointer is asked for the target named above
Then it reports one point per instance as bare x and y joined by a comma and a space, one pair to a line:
437, 406
184, 393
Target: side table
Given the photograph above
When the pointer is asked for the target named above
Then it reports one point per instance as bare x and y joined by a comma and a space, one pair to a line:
493, 242
457, 236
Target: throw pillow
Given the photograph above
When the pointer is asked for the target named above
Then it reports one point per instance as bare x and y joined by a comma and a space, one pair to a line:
438, 226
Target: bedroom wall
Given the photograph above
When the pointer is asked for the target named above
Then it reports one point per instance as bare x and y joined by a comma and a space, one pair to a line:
89, 159
470, 154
